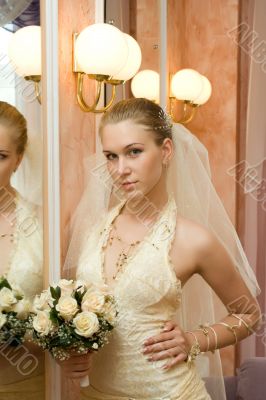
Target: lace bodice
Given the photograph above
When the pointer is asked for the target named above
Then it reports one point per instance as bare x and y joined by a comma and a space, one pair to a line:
26, 260
148, 294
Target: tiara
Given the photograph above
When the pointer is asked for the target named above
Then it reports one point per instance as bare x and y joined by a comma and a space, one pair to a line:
167, 122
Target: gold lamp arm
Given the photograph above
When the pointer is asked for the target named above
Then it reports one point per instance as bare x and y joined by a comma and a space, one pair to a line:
189, 111
38, 92
36, 79
93, 108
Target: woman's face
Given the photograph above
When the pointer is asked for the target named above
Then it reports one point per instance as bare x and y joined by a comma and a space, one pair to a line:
134, 160
9, 159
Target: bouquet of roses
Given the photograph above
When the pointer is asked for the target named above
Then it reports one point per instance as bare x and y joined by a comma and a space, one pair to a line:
72, 316
14, 312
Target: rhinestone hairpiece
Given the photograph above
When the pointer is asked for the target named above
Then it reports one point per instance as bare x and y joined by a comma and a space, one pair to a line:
167, 122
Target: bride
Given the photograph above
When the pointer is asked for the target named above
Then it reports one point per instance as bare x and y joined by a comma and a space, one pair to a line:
164, 246
21, 254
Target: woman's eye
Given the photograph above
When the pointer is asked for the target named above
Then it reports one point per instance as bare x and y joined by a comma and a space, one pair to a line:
110, 157
2, 156
135, 152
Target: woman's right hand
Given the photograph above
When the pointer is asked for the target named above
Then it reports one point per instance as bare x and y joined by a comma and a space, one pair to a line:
77, 366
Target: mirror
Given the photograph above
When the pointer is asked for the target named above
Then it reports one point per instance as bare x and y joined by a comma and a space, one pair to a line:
21, 247
131, 18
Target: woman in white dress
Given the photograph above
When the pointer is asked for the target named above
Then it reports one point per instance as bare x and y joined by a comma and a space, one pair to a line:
21, 256
146, 251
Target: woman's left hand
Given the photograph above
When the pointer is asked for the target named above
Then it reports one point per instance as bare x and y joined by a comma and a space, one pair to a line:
172, 343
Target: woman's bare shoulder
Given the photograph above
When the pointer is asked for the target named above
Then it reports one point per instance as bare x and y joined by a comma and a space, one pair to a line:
193, 235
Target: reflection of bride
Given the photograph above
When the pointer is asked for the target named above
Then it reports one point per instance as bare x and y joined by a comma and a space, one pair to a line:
155, 250
21, 256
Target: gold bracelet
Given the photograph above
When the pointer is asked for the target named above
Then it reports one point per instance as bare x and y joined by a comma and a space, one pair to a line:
230, 328
249, 329
216, 338
194, 350
204, 329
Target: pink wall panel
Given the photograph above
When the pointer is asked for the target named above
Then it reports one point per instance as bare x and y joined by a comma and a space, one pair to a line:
77, 128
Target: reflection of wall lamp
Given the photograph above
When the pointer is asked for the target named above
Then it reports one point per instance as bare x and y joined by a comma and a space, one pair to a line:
25, 54
107, 55
146, 83
187, 85
192, 88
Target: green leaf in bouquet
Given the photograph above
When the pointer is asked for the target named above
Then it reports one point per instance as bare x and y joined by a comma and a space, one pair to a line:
54, 316
55, 292
4, 283
78, 296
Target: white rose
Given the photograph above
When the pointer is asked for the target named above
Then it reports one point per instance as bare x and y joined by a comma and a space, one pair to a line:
7, 299
22, 308
86, 324
66, 286
42, 323
93, 301
67, 307
42, 302
2, 320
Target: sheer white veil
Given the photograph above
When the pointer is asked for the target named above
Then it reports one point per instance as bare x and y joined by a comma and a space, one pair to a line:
189, 178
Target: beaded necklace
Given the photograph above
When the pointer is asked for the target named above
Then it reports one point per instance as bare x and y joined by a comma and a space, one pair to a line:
127, 253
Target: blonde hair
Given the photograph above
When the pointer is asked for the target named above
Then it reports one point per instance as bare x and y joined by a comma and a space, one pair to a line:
11, 118
142, 112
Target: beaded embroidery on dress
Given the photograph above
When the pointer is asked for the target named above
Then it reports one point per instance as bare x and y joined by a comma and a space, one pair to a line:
148, 293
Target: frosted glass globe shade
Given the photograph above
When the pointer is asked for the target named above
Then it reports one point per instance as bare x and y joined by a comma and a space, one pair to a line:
101, 49
206, 92
146, 84
133, 62
25, 51
186, 84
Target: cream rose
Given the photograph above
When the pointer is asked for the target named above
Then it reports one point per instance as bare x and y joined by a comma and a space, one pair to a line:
2, 320
67, 307
42, 302
66, 286
22, 308
7, 299
86, 323
42, 323
93, 301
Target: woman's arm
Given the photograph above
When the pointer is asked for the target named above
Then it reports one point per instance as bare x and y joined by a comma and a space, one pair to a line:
218, 270
205, 255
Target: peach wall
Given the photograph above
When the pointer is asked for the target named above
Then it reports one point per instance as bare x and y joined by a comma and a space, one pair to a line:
197, 38
77, 128
144, 26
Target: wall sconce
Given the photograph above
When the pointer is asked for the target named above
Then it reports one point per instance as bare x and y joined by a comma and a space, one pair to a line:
190, 87
146, 84
107, 55
187, 85
25, 54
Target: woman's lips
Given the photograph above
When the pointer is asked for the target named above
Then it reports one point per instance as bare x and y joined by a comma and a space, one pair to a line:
128, 185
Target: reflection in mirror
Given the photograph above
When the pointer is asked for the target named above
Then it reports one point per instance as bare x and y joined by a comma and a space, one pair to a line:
21, 248
131, 17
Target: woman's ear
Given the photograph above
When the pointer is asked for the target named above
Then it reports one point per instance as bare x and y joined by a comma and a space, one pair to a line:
167, 149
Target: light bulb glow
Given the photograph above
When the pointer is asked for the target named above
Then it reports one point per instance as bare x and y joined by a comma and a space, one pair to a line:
146, 83
101, 49
186, 84
206, 92
25, 51
133, 62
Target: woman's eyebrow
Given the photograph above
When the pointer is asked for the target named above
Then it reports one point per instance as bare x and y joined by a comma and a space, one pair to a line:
4, 151
131, 144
